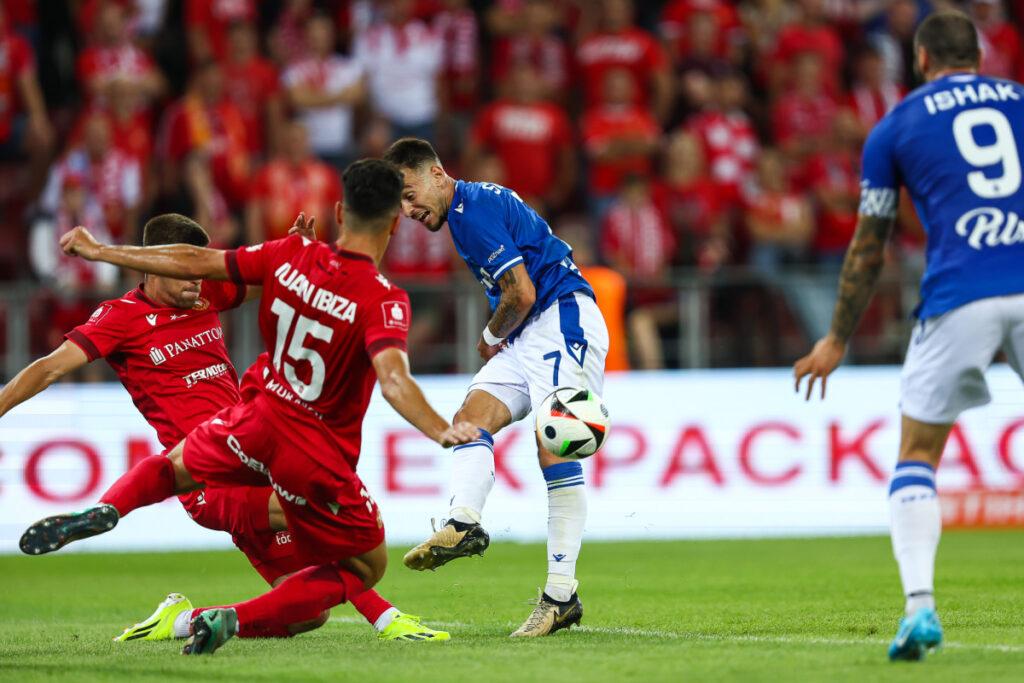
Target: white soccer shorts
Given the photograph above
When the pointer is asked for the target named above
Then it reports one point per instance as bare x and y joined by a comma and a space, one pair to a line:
944, 372
565, 345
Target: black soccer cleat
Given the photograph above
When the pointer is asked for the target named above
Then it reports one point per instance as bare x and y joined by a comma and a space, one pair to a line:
210, 629
53, 533
454, 539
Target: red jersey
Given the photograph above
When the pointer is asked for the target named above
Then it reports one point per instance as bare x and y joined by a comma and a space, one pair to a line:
125, 62
633, 49
324, 314
607, 124
286, 189
528, 138
674, 24
822, 40
172, 361
730, 143
548, 54
213, 17
836, 172
15, 61
250, 86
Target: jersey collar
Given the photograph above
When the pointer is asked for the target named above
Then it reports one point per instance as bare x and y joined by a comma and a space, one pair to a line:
140, 294
345, 253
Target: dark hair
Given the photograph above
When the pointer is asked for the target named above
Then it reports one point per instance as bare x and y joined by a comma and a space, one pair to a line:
949, 38
373, 193
411, 153
173, 228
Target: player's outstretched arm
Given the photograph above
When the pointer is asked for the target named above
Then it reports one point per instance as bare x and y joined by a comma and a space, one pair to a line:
857, 282
517, 298
42, 373
182, 261
406, 397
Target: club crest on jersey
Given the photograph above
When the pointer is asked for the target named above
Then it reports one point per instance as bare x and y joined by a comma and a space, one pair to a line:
396, 314
201, 304
98, 314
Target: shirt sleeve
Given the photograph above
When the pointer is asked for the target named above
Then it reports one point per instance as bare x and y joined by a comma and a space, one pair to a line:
249, 265
103, 333
487, 239
223, 296
387, 323
880, 178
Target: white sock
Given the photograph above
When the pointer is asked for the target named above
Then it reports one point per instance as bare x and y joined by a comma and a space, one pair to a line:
472, 478
567, 513
916, 528
385, 619
183, 624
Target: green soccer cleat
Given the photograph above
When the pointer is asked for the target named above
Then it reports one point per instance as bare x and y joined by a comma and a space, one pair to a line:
53, 533
160, 624
408, 627
454, 539
211, 629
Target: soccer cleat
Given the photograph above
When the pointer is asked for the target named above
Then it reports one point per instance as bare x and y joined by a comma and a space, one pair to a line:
408, 627
160, 624
918, 634
550, 615
454, 539
53, 533
210, 629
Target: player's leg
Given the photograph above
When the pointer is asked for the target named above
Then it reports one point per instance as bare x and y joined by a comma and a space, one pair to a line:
151, 481
566, 346
497, 396
943, 375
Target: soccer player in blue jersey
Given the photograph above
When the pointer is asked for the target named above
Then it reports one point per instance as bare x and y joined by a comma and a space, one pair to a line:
545, 332
954, 143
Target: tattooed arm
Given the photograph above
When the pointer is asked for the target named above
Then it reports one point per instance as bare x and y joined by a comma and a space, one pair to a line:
857, 282
517, 298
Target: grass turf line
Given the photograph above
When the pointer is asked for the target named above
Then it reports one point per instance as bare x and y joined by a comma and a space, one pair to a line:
792, 609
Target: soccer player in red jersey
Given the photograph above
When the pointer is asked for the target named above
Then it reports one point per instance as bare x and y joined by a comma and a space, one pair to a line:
332, 324
164, 341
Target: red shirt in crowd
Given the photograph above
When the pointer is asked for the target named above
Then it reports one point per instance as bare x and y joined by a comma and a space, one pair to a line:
730, 144
172, 361
250, 86
416, 254
285, 189
219, 130
528, 138
674, 24
1001, 50
549, 55
605, 125
131, 135
835, 172
797, 116
639, 238
124, 62
214, 17
16, 60
633, 49
691, 209
822, 40
872, 104
337, 312
460, 61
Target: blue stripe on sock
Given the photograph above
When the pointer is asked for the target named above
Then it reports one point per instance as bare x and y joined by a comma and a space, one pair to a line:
564, 482
565, 485
473, 444
902, 482
486, 436
562, 470
913, 463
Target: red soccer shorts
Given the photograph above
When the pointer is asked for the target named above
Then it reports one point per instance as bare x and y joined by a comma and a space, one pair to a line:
242, 512
330, 514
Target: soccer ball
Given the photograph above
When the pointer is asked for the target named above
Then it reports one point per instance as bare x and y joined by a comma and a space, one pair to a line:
572, 423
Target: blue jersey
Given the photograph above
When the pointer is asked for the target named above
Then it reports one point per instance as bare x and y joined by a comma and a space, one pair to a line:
955, 143
494, 230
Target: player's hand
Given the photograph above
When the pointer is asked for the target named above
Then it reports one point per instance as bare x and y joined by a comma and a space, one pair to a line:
79, 242
487, 351
303, 227
819, 363
458, 433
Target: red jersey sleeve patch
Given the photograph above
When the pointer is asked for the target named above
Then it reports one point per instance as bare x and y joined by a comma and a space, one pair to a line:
396, 315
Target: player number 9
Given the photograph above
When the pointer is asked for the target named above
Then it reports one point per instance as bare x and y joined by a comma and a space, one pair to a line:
1002, 151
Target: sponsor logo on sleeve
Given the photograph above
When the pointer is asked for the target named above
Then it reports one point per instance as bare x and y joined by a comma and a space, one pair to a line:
496, 253
383, 280
98, 314
396, 315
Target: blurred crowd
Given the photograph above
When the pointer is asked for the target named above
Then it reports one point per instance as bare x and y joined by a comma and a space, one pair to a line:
657, 137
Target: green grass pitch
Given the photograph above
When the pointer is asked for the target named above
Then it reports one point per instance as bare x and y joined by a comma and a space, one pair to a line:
808, 609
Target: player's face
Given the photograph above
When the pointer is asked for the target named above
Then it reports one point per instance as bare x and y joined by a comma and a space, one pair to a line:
423, 200
169, 291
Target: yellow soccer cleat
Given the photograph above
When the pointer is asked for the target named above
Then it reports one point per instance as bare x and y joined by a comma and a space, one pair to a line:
160, 624
408, 627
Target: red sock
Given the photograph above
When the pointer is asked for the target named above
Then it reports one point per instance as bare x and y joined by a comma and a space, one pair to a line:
149, 482
301, 597
370, 605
